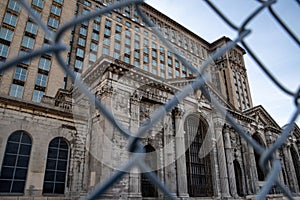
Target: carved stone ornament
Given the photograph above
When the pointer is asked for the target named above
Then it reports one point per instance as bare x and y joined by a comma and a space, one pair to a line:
179, 110
106, 89
136, 96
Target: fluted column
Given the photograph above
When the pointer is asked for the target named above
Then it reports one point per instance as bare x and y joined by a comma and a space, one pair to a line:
228, 151
290, 171
169, 154
218, 126
134, 190
252, 165
180, 154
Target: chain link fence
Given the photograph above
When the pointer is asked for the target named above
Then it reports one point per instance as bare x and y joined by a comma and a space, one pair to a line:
135, 145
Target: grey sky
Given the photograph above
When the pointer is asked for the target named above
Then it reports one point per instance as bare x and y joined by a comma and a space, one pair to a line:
272, 45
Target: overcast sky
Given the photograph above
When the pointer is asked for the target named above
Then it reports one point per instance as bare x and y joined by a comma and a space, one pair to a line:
272, 45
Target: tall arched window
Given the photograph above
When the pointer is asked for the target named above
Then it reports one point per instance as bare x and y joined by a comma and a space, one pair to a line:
148, 188
15, 163
238, 178
260, 173
198, 169
295, 159
56, 167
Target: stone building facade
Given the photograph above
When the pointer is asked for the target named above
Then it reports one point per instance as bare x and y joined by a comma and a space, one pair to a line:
193, 150
54, 144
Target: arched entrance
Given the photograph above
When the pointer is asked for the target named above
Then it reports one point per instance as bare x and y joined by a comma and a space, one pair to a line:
148, 189
238, 178
198, 169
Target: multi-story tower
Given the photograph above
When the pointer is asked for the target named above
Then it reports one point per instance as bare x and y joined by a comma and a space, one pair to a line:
19, 34
230, 75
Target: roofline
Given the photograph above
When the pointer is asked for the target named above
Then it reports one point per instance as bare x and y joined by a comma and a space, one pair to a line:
227, 39
176, 23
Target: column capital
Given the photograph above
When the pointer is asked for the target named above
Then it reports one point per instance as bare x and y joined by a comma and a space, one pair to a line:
179, 111
136, 97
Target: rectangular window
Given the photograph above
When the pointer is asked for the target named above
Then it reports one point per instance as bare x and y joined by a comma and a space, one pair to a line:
154, 54
20, 74
59, 1
41, 80
106, 41
127, 59
95, 36
118, 28
96, 27
117, 46
154, 71
128, 24
4, 50
154, 62
10, 19
107, 32
93, 57
118, 36
80, 53
31, 28
137, 37
38, 3
94, 46
136, 54
87, 3
28, 42
116, 55
52, 22
16, 91
81, 41
25, 62
146, 67
83, 31
146, 59
13, 5
45, 64
55, 10
36, 12
78, 64
97, 19
108, 23
37, 96
105, 51
127, 41
6, 34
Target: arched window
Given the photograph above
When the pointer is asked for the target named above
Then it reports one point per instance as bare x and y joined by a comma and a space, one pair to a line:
198, 169
15, 163
56, 167
238, 178
148, 188
260, 173
295, 159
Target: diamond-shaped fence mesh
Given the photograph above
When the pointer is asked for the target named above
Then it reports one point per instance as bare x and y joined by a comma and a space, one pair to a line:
136, 160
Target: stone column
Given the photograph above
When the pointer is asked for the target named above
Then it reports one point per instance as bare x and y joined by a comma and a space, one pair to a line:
169, 154
290, 171
218, 126
228, 151
134, 191
180, 154
253, 171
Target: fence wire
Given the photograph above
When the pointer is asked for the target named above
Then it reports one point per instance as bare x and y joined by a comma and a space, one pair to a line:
135, 145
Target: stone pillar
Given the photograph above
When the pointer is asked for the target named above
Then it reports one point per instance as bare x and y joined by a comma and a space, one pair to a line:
231, 173
290, 171
180, 154
218, 126
169, 154
253, 171
134, 190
